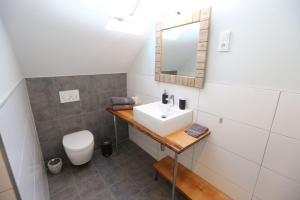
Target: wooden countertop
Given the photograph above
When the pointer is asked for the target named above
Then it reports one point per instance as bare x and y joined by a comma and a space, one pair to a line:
177, 141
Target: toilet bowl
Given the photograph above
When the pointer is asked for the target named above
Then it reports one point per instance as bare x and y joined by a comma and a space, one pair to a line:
79, 146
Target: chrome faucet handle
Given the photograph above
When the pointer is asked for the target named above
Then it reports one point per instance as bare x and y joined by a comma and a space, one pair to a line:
171, 97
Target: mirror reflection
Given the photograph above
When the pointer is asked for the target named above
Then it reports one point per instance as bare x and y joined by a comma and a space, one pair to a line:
179, 50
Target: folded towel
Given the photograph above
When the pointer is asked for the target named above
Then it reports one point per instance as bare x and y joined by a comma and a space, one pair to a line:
122, 107
196, 130
122, 101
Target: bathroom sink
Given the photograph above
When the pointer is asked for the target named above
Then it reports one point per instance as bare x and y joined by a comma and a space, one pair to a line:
162, 119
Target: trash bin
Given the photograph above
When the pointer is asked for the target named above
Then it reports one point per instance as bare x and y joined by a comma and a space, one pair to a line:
106, 147
55, 165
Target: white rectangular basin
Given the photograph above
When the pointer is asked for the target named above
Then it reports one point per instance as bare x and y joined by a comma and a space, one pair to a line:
162, 119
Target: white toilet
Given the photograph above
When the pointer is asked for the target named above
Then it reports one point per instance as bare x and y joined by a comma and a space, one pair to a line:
79, 146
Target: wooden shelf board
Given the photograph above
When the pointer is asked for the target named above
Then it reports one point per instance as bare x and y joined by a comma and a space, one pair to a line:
177, 141
187, 182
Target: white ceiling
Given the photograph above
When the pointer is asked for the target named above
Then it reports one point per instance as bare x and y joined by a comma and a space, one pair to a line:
68, 37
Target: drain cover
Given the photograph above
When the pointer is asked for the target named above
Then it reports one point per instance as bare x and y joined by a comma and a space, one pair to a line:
163, 116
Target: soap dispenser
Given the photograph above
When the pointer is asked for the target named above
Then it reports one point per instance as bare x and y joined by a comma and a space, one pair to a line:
165, 97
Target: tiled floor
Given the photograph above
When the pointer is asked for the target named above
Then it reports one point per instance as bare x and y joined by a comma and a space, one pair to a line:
125, 175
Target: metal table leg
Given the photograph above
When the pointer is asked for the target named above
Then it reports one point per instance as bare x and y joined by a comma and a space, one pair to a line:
174, 175
156, 175
116, 132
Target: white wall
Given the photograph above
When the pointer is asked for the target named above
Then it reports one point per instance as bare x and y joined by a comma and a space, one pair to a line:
63, 37
17, 128
254, 88
265, 38
10, 73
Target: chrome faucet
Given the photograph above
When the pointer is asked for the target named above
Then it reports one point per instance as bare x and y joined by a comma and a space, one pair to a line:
171, 97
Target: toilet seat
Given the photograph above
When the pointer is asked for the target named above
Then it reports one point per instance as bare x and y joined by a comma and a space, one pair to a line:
78, 141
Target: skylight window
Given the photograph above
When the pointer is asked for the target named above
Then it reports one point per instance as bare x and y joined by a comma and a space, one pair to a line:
128, 22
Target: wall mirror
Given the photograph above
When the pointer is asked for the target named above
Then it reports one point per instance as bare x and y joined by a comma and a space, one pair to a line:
181, 49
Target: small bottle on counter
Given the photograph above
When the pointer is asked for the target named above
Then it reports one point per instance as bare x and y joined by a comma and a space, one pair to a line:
165, 97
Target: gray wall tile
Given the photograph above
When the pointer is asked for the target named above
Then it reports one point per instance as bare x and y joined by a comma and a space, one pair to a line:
71, 124
54, 120
89, 102
48, 130
68, 109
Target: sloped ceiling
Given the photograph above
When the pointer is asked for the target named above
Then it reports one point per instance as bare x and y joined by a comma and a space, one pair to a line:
65, 37
68, 37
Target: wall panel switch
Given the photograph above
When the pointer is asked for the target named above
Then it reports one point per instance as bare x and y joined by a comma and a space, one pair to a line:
224, 41
69, 96
225, 36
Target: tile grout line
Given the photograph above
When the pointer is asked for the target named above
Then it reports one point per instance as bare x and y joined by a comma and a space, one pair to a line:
109, 185
196, 120
75, 184
283, 135
232, 152
266, 146
282, 175
106, 183
7, 190
226, 178
234, 120
256, 87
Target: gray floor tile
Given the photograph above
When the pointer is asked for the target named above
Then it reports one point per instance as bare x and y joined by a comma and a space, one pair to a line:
61, 182
89, 188
84, 172
68, 193
125, 189
141, 196
103, 195
102, 162
142, 178
113, 174
127, 174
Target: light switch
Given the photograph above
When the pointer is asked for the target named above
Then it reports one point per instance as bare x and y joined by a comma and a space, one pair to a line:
69, 96
224, 41
225, 36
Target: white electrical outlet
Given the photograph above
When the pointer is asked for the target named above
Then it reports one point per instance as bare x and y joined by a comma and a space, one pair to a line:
69, 96
223, 46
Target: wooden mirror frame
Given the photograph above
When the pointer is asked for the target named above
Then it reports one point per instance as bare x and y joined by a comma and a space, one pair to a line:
202, 16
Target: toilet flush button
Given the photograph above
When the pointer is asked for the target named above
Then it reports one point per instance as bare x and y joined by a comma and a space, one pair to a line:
69, 96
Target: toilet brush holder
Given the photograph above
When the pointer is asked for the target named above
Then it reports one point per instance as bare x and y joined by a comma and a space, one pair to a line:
55, 165
106, 147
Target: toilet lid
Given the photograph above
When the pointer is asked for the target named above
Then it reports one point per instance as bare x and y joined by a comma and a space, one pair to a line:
78, 140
